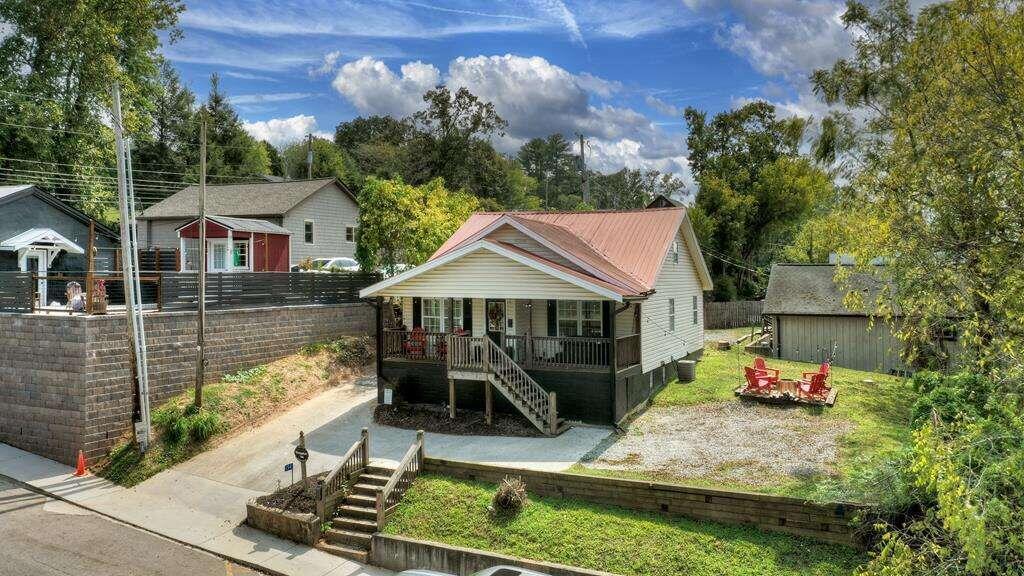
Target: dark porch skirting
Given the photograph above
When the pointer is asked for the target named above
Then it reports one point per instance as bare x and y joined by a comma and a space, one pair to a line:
582, 396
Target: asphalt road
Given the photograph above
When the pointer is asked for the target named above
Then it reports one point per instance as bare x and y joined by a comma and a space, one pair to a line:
41, 536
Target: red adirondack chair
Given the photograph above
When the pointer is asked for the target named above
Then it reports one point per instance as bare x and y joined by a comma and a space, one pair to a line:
763, 371
756, 384
825, 369
415, 345
813, 387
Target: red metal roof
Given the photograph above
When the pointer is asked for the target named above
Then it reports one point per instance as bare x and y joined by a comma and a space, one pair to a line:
623, 247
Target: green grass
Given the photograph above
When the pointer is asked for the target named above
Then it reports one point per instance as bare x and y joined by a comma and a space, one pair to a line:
878, 409
180, 431
606, 537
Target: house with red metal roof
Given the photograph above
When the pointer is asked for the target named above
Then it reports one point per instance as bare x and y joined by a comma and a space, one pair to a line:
561, 316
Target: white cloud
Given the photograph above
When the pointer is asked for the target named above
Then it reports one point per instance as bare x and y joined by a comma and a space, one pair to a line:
536, 97
249, 76
561, 13
281, 132
329, 64
600, 86
663, 107
243, 99
374, 89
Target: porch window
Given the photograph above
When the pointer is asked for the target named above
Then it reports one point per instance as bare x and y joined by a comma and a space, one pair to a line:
240, 254
580, 318
434, 314
671, 314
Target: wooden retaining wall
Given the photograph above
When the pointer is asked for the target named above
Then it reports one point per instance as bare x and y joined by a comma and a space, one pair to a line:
824, 522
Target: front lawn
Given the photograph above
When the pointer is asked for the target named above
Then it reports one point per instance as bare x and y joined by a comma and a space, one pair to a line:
245, 398
796, 451
609, 538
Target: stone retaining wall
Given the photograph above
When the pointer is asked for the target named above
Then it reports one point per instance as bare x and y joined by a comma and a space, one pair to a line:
65, 381
824, 522
400, 553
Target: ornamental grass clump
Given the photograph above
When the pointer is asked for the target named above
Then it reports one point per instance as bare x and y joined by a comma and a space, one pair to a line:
510, 497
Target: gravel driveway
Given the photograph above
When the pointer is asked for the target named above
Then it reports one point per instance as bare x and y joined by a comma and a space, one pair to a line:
729, 442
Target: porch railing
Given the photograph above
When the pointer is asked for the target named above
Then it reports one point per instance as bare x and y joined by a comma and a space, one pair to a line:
412, 345
339, 482
627, 350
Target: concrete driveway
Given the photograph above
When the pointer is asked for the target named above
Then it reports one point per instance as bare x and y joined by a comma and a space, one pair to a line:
332, 421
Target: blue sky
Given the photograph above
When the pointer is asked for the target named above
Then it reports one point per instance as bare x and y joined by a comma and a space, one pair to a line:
620, 72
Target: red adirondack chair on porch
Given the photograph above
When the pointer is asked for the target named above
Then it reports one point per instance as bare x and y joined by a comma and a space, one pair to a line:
416, 344
813, 387
755, 383
763, 371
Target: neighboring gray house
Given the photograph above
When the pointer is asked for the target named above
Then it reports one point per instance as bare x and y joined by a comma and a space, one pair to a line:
322, 215
809, 319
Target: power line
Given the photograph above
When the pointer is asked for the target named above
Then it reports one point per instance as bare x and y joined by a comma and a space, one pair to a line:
100, 167
152, 183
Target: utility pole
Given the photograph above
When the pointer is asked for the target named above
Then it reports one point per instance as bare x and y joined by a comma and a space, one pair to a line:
130, 271
584, 180
201, 318
309, 156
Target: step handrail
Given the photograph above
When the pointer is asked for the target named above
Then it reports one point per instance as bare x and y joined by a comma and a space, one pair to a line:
524, 387
338, 483
389, 495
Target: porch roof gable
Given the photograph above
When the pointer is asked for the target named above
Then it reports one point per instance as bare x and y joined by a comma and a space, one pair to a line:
595, 286
41, 238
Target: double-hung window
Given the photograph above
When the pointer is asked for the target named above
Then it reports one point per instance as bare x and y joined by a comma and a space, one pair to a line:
434, 314
350, 234
240, 254
580, 318
307, 231
671, 314
696, 311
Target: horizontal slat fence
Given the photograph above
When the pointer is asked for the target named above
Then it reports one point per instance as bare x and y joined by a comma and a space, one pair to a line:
180, 290
16, 291
736, 314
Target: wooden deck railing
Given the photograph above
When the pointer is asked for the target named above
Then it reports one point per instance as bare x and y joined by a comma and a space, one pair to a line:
627, 350
339, 482
391, 493
465, 352
411, 345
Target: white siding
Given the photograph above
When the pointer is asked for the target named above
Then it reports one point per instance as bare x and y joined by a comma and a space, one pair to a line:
159, 233
539, 318
624, 321
331, 210
479, 317
484, 274
679, 281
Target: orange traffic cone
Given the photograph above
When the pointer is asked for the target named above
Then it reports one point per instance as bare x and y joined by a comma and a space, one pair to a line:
80, 470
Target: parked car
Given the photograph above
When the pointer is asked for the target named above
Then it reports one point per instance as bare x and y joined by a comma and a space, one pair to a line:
492, 571
342, 264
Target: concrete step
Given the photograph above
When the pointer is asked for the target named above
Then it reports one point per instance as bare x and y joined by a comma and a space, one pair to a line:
355, 524
349, 538
344, 551
360, 512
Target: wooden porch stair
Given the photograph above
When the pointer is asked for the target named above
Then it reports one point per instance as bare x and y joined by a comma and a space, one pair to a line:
525, 408
355, 520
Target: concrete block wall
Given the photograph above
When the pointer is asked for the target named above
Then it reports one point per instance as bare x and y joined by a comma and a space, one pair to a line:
824, 522
65, 381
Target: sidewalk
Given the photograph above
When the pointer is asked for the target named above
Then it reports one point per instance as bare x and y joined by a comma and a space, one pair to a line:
190, 509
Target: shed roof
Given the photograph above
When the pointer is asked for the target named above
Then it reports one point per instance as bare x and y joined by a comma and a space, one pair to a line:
249, 199
243, 225
811, 289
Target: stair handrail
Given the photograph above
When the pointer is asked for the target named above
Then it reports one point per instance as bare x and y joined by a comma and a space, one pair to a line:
339, 482
391, 493
524, 386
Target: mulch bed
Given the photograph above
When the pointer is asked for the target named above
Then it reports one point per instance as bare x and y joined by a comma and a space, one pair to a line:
433, 418
293, 498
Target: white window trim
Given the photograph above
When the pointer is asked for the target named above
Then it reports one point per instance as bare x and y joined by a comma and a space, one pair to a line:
457, 316
248, 253
696, 310
675, 252
353, 229
312, 232
579, 318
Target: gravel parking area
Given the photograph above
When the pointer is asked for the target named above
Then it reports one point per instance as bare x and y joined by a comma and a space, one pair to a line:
728, 442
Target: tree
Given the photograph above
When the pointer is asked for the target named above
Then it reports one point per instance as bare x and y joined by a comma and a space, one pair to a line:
754, 190
629, 188
276, 165
552, 164
328, 162
230, 151
169, 143
404, 224
56, 66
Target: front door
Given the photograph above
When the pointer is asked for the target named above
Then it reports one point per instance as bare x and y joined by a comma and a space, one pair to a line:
496, 320
35, 262
219, 257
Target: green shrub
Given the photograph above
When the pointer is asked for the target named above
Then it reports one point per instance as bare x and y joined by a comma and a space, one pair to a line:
247, 376
350, 351
201, 425
962, 396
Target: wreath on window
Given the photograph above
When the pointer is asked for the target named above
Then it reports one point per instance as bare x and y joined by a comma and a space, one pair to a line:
494, 317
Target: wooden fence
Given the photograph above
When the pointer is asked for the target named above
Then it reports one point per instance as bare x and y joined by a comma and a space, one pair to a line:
736, 314
180, 290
